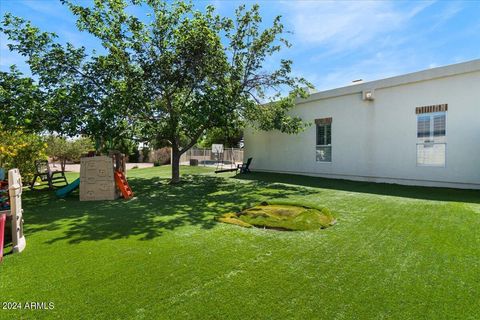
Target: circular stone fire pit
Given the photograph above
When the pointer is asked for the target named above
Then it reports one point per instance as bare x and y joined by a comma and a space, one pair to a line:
281, 217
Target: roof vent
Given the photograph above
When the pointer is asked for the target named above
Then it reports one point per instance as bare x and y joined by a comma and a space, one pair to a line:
357, 81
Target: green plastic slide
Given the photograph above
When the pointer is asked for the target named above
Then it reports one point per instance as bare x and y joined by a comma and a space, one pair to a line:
65, 191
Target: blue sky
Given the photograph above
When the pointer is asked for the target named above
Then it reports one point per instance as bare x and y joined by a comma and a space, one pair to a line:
333, 42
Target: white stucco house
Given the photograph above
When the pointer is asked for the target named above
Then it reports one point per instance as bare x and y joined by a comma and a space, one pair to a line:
421, 128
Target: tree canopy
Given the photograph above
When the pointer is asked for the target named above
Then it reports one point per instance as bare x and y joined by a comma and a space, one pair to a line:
171, 77
21, 101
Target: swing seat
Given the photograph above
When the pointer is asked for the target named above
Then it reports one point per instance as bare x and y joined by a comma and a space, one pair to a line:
244, 167
226, 170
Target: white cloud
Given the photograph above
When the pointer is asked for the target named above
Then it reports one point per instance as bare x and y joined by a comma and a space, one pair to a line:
48, 8
347, 25
381, 65
450, 10
369, 40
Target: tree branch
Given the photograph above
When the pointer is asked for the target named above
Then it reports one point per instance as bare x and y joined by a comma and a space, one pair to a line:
192, 141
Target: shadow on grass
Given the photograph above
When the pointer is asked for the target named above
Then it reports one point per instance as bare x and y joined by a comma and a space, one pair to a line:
414, 192
156, 208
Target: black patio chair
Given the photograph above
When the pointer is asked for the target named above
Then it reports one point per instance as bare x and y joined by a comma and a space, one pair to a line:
245, 167
53, 178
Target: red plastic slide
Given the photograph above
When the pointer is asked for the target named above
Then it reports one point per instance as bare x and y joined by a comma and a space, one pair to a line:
3, 217
122, 184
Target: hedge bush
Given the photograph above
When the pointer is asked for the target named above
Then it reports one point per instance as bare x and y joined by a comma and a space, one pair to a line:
20, 150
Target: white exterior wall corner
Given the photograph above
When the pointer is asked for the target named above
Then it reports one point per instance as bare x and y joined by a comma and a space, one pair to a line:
376, 140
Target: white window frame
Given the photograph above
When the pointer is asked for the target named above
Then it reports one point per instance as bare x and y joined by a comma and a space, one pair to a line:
329, 146
431, 139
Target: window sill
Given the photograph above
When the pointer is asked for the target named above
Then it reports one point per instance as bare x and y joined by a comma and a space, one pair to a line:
430, 166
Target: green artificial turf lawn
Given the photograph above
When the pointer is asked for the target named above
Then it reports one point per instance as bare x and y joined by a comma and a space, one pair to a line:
396, 252
282, 217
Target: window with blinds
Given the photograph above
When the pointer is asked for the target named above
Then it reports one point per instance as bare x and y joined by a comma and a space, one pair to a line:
431, 138
324, 140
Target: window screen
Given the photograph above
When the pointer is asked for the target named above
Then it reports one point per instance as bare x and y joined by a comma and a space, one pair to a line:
439, 125
431, 154
431, 139
324, 134
423, 127
324, 140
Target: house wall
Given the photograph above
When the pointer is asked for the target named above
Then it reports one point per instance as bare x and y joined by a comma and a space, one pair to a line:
376, 140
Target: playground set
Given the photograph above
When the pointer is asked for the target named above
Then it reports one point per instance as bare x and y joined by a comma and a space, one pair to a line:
54, 178
11, 211
101, 178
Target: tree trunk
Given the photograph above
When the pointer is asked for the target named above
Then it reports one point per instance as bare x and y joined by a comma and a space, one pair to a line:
177, 153
63, 163
175, 165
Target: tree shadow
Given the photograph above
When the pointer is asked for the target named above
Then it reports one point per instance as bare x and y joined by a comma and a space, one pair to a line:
156, 208
385, 189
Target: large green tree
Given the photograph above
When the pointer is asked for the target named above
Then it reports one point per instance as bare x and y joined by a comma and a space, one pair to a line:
171, 77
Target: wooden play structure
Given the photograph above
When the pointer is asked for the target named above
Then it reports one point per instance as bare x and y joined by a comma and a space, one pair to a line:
14, 214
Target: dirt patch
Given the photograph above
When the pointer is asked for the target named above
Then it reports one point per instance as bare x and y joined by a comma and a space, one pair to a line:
281, 217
